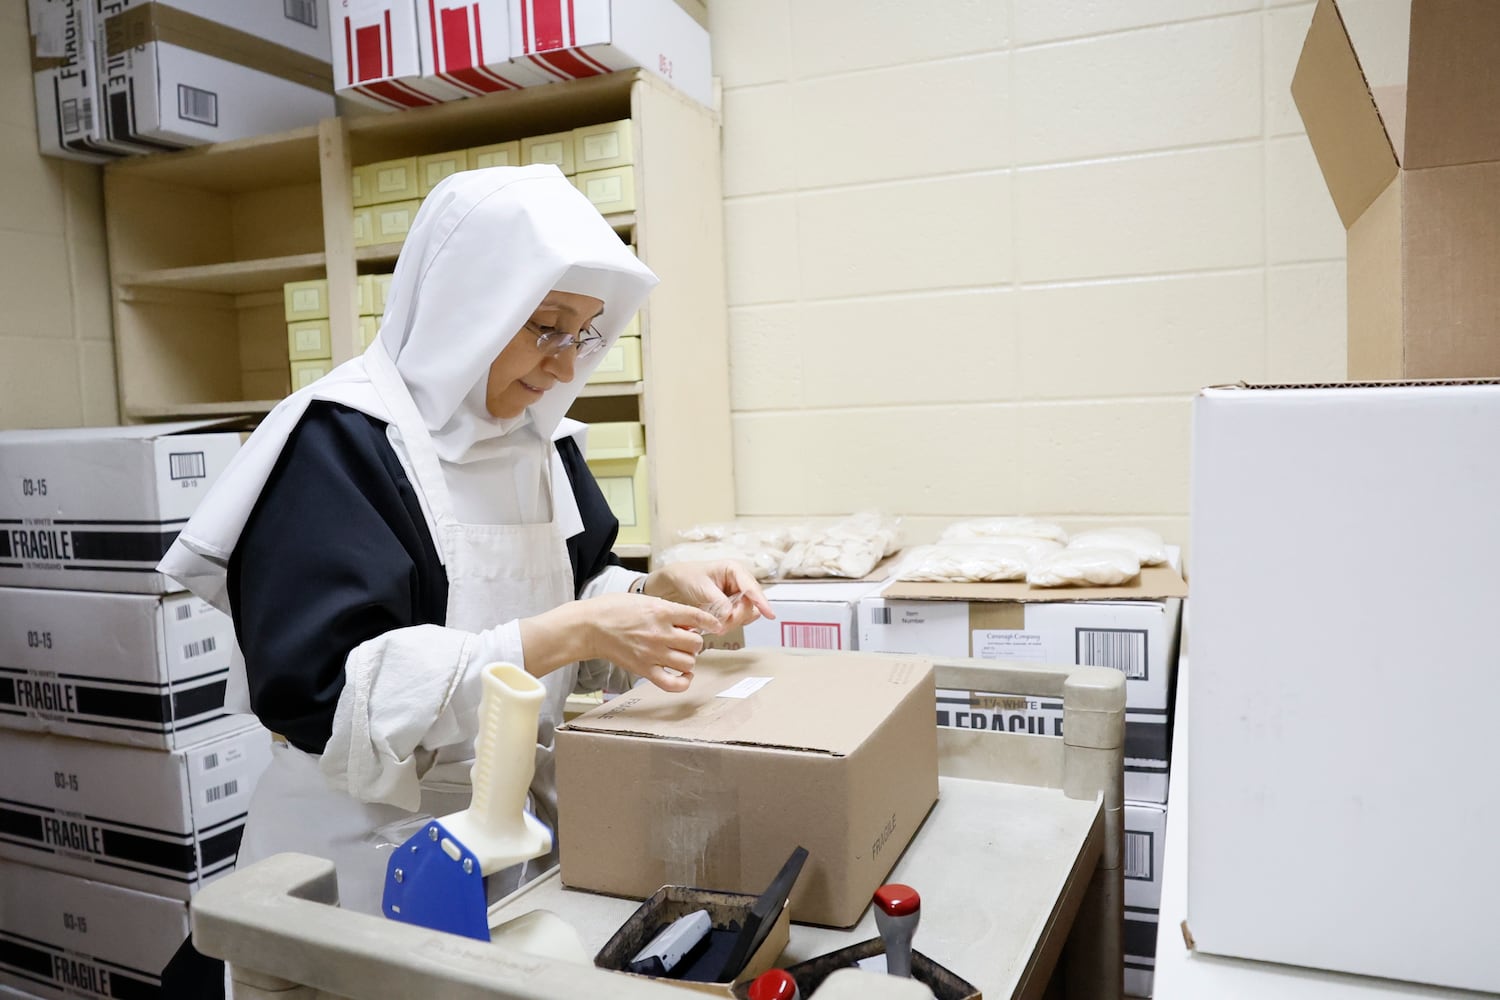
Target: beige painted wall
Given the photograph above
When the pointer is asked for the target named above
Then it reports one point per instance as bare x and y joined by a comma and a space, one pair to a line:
57, 363
982, 253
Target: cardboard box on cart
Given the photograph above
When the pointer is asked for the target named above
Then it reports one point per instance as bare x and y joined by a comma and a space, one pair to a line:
767, 750
1131, 628
1413, 165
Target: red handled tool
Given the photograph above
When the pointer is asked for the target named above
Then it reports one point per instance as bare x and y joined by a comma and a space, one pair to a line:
774, 984
897, 910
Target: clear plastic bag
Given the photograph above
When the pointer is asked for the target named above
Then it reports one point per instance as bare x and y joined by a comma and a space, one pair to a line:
993, 528
1145, 543
1085, 568
764, 562
779, 537
848, 548
966, 562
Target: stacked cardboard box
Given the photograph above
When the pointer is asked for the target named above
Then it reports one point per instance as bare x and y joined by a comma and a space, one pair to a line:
116, 77
126, 781
1133, 629
617, 457
397, 54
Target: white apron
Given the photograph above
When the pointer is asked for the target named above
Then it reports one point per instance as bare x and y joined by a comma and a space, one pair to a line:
495, 573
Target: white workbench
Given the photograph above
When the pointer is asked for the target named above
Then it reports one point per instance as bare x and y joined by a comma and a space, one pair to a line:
1187, 975
988, 897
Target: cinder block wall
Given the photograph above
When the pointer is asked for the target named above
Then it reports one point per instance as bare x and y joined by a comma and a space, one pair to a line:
57, 362
981, 254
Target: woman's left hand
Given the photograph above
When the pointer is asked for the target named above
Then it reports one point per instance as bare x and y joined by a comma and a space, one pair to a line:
712, 587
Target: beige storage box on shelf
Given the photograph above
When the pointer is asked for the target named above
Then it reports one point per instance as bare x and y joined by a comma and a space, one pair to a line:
308, 341
617, 458
96, 508
596, 147
394, 220
364, 226
431, 169
621, 363
66, 937
499, 154
1413, 165
306, 299
610, 191
365, 332
766, 751
305, 373
161, 822
555, 148
384, 182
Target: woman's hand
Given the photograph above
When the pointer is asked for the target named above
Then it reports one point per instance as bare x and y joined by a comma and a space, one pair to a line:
712, 586
639, 634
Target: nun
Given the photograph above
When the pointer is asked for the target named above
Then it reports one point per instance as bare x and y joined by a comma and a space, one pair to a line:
425, 510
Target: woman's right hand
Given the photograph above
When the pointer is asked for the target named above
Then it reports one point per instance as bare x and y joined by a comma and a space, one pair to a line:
638, 634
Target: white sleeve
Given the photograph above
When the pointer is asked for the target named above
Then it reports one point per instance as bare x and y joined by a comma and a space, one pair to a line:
410, 690
601, 675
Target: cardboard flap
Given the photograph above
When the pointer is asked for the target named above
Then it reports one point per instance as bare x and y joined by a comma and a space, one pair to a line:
1154, 583
1342, 119
1453, 90
820, 703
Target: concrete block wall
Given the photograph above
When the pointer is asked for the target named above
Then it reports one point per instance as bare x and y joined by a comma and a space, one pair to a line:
981, 254
57, 362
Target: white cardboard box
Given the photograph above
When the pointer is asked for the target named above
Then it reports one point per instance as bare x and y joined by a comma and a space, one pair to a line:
1344, 553
377, 57
808, 616
63, 936
95, 508
69, 122
160, 822
1145, 852
466, 46
123, 668
1147, 731
570, 39
190, 72
1140, 951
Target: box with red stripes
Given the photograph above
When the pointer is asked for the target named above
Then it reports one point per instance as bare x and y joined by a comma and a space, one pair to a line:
570, 39
377, 57
466, 46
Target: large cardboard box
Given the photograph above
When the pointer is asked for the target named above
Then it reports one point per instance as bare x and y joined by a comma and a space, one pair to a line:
122, 668
95, 508
377, 57
64, 937
1414, 168
1344, 553
767, 750
571, 39
190, 72
160, 822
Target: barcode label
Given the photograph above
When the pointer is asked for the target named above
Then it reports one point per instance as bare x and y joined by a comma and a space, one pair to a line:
77, 115
204, 645
197, 105
1120, 649
210, 761
809, 635
223, 791
184, 612
1138, 855
880, 616
302, 11
187, 465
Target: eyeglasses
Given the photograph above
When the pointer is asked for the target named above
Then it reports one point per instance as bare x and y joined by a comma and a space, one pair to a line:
551, 342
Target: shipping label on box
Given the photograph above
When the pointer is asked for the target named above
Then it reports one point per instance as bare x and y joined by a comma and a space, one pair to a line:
122, 668
1138, 638
377, 57
159, 822
768, 750
572, 39
97, 507
62, 936
1145, 851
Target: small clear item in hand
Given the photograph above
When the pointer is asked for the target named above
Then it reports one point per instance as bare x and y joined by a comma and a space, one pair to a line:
724, 610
